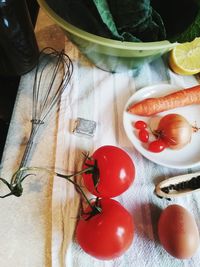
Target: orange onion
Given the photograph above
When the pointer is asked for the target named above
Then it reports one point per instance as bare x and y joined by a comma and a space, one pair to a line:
174, 130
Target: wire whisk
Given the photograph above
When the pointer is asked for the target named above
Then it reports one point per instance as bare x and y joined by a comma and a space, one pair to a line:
53, 73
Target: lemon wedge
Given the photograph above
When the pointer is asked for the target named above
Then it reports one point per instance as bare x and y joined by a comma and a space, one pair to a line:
184, 59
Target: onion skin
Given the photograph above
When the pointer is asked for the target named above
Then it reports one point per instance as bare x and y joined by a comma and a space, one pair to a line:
175, 131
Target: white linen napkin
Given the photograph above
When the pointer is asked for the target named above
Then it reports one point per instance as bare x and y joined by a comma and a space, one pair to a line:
101, 96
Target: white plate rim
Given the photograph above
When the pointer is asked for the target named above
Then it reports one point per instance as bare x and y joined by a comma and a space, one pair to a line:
148, 91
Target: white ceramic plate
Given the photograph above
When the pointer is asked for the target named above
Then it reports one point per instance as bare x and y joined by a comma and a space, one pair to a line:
187, 157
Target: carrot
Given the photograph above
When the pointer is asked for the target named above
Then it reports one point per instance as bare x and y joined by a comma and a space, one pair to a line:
151, 106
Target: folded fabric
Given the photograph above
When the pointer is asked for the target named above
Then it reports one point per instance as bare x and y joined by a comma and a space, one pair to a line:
101, 97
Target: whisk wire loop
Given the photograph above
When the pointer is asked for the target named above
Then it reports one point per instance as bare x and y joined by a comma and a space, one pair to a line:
52, 76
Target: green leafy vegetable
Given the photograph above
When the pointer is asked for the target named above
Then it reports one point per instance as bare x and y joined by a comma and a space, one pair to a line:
180, 17
132, 20
103, 9
82, 14
191, 33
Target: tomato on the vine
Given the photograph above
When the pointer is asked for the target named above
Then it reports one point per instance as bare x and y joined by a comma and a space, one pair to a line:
157, 146
143, 135
116, 172
140, 125
108, 234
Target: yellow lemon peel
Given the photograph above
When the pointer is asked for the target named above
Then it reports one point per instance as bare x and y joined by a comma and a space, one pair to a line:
184, 59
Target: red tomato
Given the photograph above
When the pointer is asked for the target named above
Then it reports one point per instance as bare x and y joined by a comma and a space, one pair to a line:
140, 125
108, 234
116, 172
157, 146
143, 135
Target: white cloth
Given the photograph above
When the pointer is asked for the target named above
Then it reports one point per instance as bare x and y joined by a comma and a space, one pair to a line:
101, 96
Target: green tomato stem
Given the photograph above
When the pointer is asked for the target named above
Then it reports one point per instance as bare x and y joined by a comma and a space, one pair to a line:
67, 177
15, 186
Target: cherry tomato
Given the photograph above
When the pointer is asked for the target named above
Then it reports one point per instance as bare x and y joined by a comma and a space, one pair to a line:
157, 146
106, 235
116, 172
140, 125
143, 135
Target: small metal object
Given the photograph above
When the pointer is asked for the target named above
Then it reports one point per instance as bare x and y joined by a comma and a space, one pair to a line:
178, 186
84, 127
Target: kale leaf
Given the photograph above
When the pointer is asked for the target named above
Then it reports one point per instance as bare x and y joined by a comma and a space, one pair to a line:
134, 20
190, 33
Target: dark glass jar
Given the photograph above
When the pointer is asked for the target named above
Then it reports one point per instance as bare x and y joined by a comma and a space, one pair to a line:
18, 45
